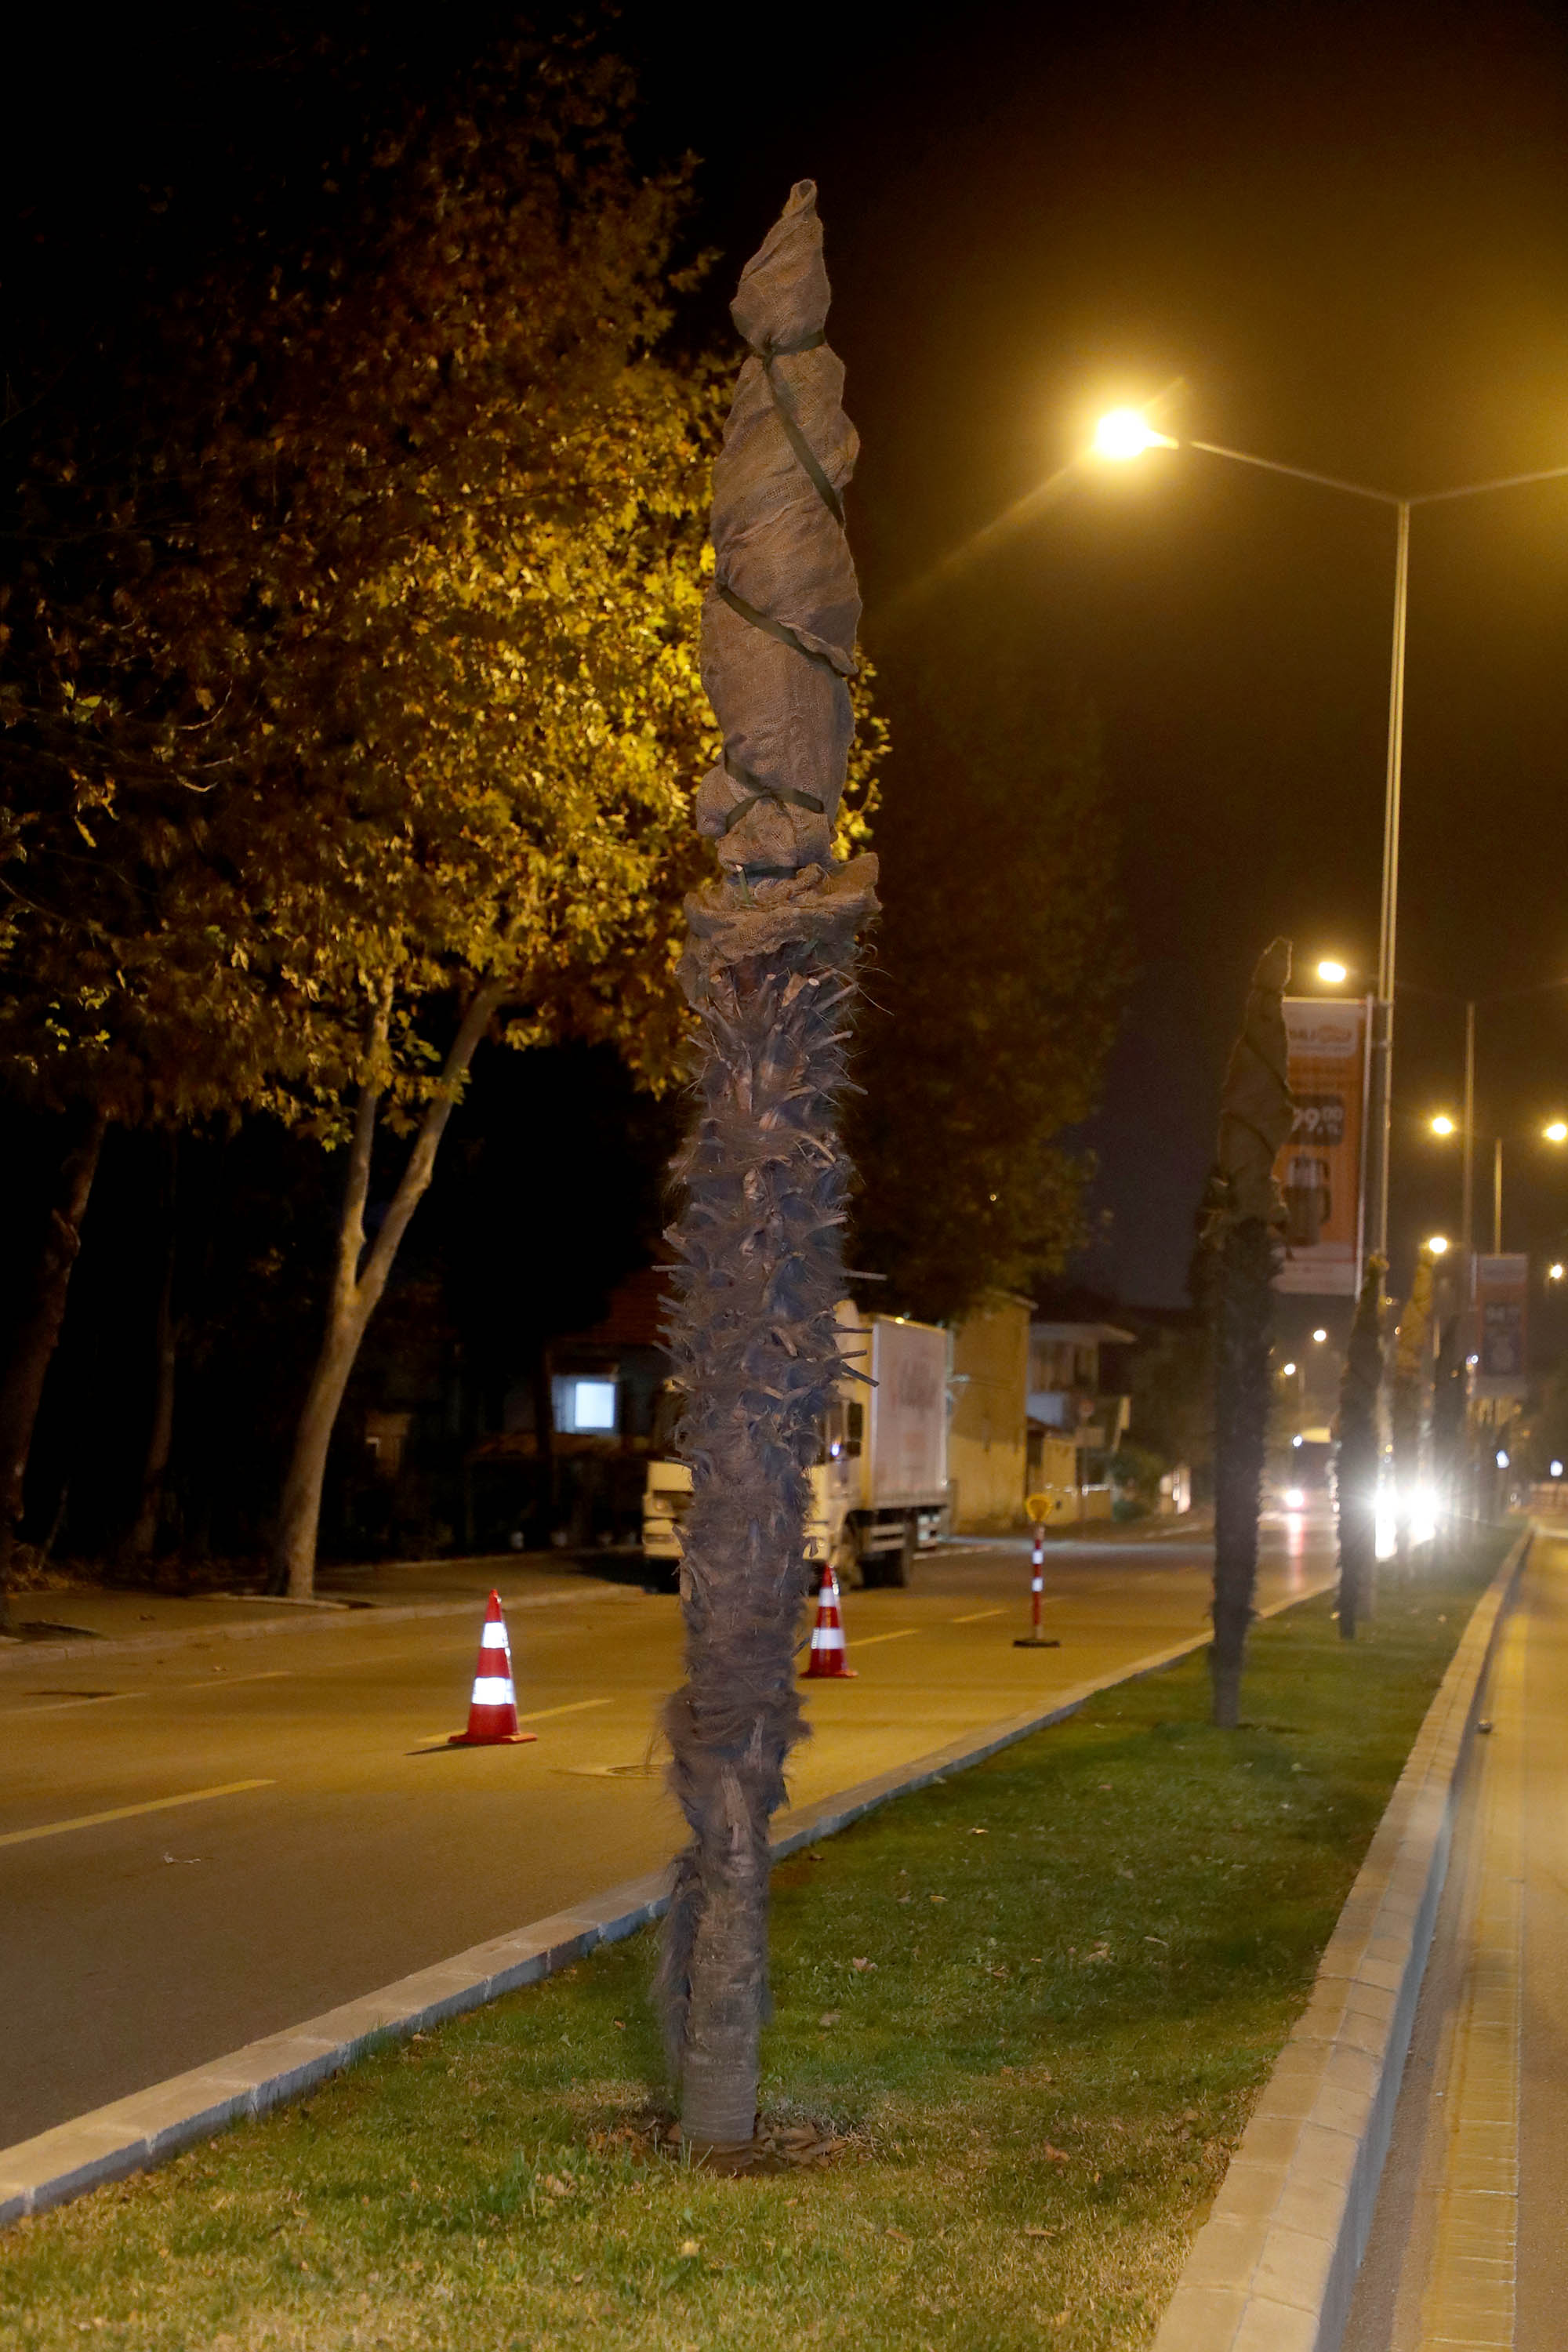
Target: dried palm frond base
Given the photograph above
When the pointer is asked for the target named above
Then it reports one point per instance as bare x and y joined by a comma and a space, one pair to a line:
781, 2144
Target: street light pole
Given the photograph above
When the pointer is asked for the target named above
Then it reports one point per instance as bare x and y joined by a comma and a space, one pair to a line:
1469, 1159
1126, 434
1497, 1196
1388, 916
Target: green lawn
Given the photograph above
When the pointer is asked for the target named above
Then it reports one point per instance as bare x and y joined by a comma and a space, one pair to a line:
1032, 2006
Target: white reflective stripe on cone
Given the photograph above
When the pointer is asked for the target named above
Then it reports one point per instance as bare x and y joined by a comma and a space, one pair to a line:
493, 1690
493, 1637
828, 1637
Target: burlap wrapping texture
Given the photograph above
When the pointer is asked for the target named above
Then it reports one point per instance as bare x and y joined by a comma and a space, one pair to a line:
780, 619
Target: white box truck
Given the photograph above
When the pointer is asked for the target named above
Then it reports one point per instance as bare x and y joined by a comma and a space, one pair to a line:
879, 1488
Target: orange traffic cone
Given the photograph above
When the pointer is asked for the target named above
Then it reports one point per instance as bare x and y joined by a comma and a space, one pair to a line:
492, 1710
828, 1656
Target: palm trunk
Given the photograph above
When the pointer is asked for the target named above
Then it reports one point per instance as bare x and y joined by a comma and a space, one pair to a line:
357, 1288
38, 1330
1245, 1214
1409, 1401
1246, 1309
756, 1348
769, 972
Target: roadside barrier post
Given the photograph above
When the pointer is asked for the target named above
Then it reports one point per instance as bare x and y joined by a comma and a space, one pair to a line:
1036, 1638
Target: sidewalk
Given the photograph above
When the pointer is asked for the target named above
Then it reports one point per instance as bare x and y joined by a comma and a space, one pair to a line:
82, 1619
1470, 2241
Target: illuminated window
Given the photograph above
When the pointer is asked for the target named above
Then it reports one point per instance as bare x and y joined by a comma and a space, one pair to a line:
584, 1407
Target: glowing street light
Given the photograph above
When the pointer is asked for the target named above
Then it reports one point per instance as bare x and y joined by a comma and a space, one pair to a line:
1437, 1244
1319, 1335
1331, 969
1125, 433
1443, 1124
1288, 1369
1557, 1132
1555, 1271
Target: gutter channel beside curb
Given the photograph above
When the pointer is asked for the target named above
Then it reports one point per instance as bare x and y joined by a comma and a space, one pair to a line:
1273, 2267
147, 2127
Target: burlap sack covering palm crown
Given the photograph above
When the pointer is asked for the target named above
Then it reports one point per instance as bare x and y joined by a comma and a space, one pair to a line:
780, 619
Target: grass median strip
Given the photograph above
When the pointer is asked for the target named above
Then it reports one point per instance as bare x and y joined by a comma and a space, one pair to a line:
1020, 2018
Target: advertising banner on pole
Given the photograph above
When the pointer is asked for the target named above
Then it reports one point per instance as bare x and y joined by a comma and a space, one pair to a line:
1319, 1168
1501, 1298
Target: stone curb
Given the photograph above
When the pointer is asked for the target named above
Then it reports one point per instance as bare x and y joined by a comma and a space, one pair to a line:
1273, 2268
130, 2134
328, 1617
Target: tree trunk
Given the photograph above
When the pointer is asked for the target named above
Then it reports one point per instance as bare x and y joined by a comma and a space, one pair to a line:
755, 1345
1244, 1313
357, 1289
141, 1538
38, 1329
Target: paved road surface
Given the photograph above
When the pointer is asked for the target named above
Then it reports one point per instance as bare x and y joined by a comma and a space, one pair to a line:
329, 1844
1469, 2242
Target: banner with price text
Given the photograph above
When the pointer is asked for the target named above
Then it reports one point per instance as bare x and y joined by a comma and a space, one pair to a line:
1320, 1168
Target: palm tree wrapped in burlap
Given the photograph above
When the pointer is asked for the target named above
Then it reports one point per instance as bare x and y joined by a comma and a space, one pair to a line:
1356, 1456
769, 970
1247, 1216
1409, 1403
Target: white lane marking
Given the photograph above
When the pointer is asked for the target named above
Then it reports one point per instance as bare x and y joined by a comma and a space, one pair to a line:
101, 1698
92, 1698
126, 1812
577, 1707
974, 1617
864, 1640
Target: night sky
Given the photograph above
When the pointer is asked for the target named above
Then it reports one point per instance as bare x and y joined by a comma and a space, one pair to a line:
1333, 236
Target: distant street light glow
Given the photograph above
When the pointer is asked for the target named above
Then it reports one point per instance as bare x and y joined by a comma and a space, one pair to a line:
1437, 1244
1319, 1335
1554, 1271
1287, 1369
1502, 1459
1557, 1132
1332, 972
1557, 1469
1125, 433
1443, 1124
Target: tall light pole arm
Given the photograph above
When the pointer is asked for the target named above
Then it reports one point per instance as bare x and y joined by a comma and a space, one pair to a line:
1300, 473
1474, 490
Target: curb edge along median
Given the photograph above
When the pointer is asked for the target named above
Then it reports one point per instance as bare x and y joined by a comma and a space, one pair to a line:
1273, 2267
148, 2127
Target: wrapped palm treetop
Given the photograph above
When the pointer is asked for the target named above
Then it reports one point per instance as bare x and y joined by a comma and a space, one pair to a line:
1246, 1217
769, 970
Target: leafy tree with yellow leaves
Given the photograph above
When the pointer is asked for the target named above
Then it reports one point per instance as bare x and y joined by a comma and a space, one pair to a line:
398, 662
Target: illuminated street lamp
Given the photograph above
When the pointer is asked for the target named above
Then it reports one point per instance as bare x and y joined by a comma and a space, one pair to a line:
1557, 1132
1555, 1271
1443, 1125
1126, 432
1439, 1245
1332, 972
1319, 1335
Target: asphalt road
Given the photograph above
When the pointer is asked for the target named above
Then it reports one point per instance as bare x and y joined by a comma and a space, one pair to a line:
213, 1840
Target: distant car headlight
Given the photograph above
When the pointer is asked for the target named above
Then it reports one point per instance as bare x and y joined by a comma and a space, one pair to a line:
1295, 1498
